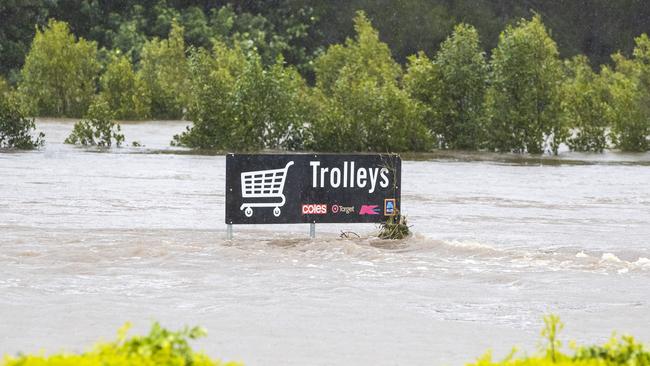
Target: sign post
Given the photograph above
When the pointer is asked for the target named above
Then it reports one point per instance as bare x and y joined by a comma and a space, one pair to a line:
311, 188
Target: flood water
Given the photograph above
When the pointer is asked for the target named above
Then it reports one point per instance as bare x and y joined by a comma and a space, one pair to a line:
90, 239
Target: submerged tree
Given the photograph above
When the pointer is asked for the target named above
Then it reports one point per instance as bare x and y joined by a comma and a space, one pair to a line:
365, 56
16, 130
364, 109
97, 128
629, 98
523, 101
164, 73
60, 72
584, 104
452, 86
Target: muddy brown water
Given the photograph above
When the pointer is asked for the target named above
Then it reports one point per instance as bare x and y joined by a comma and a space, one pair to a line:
90, 239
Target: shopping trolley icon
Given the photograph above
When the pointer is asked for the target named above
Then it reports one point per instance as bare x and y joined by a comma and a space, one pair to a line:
264, 184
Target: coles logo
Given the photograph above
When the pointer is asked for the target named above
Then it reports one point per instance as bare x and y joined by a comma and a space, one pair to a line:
314, 209
369, 210
342, 209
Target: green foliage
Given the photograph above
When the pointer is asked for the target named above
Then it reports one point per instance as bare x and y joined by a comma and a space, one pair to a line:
364, 57
164, 74
523, 101
97, 128
4, 87
422, 83
363, 115
617, 352
159, 347
623, 351
238, 104
16, 129
584, 104
123, 90
452, 87
629, 89
363, 108
60, 72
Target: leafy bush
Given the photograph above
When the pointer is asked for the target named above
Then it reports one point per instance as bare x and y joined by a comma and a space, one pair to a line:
159, 347
97, 129
60, 72
624, 351
523, 101
15, 128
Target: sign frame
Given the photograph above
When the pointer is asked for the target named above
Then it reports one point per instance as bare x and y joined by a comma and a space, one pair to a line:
320, 188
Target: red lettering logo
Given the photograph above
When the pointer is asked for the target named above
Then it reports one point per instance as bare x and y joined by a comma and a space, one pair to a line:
314, 209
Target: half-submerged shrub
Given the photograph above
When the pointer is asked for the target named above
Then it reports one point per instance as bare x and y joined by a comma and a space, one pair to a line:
238, 104
97, 128
159, 347
16, 130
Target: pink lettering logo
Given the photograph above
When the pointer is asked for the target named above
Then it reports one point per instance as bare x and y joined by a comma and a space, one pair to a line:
369, 210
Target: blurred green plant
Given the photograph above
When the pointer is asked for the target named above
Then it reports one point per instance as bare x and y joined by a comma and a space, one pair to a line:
159, 347
4, 87
97, 128
623, 351
16, 130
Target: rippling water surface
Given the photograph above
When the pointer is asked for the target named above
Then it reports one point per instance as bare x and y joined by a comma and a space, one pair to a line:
90, 239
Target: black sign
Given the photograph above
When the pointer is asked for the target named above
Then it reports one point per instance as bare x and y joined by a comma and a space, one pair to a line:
306, 188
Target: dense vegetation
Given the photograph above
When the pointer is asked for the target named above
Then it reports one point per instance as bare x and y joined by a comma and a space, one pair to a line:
159, 347
282, 75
